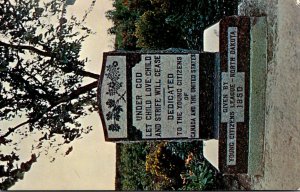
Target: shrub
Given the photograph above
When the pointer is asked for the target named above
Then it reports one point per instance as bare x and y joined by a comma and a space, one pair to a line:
165, 166
197, 176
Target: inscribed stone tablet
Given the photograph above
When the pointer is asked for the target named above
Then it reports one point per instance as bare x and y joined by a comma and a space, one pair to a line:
166, 95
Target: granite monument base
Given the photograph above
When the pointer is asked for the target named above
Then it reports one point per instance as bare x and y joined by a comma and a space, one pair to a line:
241, 95
258, 78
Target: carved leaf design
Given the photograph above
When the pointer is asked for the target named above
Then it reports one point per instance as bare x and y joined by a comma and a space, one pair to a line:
109, 115
114, 127
110, 103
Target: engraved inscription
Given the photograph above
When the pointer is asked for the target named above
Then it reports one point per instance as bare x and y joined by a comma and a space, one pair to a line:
232, 95
166, 96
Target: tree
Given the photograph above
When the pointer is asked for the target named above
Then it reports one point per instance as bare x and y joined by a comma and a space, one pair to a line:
160, 24
41, 76
153, 32
124, 15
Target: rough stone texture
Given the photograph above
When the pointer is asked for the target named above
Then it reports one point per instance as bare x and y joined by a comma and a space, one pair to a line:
258, 60
282, 136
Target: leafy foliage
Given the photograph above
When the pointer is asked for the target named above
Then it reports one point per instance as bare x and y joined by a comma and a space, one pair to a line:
132, 167
12, 174
198, 175
124, 16
37, 54
163, 166
160, 24
183, 149
152, 32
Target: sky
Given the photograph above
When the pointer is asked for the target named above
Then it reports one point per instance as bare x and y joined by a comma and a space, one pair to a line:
91, 164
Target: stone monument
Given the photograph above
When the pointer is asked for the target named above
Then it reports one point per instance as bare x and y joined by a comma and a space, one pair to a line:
185, 95
242, 94
157, 95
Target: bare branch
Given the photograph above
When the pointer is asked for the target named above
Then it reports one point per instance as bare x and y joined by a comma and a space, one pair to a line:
88, 74
77, 93
73, 95
26, 47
